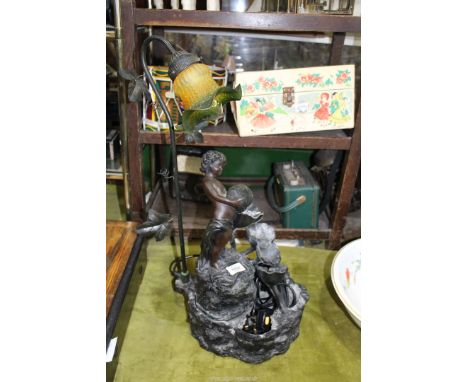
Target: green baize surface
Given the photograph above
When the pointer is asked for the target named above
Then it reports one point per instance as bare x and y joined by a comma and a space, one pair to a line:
155, 342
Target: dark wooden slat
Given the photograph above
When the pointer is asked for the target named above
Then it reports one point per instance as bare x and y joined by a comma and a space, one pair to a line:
288, 22
337, 48
132, 112
347, 184
226, 135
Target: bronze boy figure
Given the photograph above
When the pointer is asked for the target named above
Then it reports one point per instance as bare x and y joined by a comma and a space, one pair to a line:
239, 307
220, 229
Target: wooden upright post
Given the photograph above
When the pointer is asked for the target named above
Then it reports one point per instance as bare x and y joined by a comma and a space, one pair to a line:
133, 116
347, 183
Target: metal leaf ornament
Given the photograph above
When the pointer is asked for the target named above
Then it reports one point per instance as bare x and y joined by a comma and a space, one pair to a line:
157, 225
136, 87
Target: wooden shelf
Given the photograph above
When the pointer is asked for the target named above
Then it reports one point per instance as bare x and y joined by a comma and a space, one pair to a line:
114, 176
253, 21
225, 135
197, 216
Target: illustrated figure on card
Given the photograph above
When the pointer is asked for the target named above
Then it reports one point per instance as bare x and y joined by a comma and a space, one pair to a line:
339, 109
323, 112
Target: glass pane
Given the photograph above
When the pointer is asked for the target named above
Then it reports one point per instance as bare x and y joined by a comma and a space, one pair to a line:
253, 52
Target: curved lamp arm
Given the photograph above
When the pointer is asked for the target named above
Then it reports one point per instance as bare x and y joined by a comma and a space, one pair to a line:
149, 77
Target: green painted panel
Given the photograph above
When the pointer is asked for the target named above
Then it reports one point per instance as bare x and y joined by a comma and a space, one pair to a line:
255, 162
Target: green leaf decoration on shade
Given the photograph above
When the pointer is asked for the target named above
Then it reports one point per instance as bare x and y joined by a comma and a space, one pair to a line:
225, 94
196, 119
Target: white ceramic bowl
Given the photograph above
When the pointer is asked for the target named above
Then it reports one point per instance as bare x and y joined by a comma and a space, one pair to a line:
345, 275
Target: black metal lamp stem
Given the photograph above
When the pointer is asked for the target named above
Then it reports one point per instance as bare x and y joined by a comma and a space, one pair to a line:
144, 47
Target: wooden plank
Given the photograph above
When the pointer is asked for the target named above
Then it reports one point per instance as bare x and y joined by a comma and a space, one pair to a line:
114, 176
120, 237
225, 135
133, 119
288, 22
337, 48
197, 216
347, 184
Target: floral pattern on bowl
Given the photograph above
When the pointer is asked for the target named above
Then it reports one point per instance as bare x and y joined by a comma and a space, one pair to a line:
345, 275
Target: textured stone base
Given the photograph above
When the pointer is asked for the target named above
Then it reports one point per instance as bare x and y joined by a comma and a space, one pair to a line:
220, 330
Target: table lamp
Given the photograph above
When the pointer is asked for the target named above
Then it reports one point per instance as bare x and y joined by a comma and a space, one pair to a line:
202, 99
201, 96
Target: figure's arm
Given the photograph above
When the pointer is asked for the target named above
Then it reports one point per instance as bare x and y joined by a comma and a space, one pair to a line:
212, 192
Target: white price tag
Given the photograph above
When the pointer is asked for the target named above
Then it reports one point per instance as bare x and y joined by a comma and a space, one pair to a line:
235, 268
111, 349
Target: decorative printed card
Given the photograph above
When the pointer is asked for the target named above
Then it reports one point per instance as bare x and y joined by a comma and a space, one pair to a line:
295, 100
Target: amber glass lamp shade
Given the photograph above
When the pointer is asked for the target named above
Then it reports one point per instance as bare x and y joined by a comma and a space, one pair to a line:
201, 96
195, 86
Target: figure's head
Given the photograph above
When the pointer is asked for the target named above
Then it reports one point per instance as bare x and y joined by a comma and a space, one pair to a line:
325, 96
213, 162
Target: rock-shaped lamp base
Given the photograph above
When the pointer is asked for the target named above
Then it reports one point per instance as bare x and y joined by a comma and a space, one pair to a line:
219, 302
